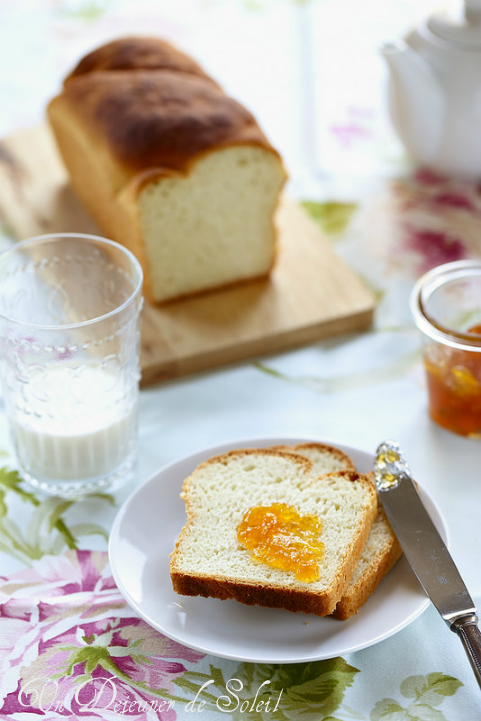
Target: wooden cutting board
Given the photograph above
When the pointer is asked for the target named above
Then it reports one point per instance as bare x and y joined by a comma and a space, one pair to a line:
310, 295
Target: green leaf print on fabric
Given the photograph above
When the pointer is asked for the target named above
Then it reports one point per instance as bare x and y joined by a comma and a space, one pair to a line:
280, 692
430, 688
427, 692
311, 691
88, 10
46, 531
333, 217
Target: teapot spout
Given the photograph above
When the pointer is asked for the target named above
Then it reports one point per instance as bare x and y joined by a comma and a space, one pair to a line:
416, 101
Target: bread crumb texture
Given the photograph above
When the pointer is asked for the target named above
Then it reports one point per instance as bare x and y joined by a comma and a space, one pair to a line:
218, 494
213, 226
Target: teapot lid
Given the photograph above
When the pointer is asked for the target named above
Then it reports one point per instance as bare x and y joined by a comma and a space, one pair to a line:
462, 29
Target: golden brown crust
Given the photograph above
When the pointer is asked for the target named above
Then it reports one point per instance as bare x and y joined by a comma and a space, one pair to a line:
136, 53
160, 118
358, 593
289, 599
351, 602
153, 107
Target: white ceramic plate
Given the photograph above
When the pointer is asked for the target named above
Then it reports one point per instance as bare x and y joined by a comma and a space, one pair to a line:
144, 534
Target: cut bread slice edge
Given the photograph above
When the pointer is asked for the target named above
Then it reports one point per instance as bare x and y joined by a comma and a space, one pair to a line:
209, 561
382, 549
381, 552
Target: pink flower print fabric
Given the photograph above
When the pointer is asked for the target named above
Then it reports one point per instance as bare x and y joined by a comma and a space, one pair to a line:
71, 646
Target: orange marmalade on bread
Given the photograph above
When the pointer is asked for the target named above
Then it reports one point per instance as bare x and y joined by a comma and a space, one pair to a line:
279, 536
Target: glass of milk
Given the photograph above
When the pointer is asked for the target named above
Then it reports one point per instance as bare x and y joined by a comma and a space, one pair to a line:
69, 360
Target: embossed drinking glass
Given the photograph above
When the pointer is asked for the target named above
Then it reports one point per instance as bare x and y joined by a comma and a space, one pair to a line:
69, 355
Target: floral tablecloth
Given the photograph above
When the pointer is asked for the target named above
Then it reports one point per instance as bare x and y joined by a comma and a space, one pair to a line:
69, 644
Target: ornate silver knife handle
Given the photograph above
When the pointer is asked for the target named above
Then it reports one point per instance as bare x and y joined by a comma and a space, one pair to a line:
467, 629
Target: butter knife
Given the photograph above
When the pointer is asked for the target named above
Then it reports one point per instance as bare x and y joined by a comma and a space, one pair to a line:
425, 549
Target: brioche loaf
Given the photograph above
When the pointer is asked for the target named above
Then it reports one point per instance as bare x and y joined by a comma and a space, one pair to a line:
170, 166
382, 548
208, 560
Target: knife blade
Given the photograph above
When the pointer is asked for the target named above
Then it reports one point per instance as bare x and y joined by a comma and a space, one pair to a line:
425, 550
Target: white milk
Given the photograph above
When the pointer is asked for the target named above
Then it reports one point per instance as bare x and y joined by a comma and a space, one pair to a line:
74, 425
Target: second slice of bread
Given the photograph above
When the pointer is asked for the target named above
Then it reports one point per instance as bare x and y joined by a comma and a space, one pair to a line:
208, 560
379, 555
382, 548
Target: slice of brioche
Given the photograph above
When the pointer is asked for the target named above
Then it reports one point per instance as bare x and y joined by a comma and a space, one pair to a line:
380, 553
324, 458
382, 548
208, 560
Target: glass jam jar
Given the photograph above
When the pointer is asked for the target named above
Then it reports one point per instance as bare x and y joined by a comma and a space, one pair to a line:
446, 304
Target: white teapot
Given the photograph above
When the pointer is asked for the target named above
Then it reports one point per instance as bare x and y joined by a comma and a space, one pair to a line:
435, 91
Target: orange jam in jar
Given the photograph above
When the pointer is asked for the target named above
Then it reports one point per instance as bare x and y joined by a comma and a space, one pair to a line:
279, 536
454, 387
446, 306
